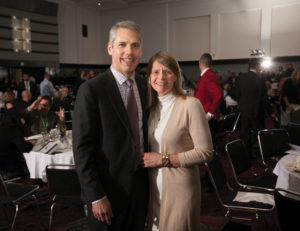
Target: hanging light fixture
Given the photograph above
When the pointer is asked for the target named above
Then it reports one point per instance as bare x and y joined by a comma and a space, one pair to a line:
21, 34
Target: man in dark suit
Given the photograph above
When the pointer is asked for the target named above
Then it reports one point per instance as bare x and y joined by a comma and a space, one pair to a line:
252, 100
26, 84
113, 183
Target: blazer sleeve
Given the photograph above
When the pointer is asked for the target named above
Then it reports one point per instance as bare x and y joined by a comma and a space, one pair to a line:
200, 135
215, 93
86, 137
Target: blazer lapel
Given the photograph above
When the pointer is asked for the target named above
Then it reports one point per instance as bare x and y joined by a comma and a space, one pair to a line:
114, 96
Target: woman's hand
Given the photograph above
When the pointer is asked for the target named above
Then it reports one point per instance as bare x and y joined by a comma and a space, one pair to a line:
151, 160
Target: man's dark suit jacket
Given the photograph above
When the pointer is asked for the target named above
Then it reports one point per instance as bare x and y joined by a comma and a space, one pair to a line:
33, 90
103, 144
251, 95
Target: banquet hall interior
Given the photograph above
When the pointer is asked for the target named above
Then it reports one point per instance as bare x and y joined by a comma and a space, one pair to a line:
64, 42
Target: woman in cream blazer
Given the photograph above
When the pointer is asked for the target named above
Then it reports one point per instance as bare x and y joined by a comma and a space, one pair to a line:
180, 140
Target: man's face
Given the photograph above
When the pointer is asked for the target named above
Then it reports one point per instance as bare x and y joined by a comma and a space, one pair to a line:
126, 51
26, 96
25, 77
44, 106
64, 92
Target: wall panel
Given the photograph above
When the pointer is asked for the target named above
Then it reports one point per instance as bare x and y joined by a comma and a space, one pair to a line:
240, 32
192, 37
285, 33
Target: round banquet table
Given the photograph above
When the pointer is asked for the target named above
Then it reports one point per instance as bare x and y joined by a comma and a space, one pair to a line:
288, 178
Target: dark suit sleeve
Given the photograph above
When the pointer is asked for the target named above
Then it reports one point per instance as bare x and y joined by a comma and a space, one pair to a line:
86, 143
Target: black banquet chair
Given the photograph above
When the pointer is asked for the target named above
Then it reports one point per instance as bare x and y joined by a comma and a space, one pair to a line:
294, 132
64, 187
273, 143
228, 126
295, 117
236, 210
288, 207
240, 163
19, 196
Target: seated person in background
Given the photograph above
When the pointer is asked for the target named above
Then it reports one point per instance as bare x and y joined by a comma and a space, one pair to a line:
9, 100
12, 146
62, 99
39, 118
25, 101
229, 104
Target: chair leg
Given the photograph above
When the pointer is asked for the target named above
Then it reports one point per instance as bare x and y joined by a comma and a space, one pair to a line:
51, 214
38, 209
15, 217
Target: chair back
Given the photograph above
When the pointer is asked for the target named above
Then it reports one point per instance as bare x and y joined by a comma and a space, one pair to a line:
294, 132
217, 174
287, 209
238, 157
229, 122
295, 117
63, 180
273, 142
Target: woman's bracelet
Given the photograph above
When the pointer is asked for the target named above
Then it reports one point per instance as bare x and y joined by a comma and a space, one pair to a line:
165, 160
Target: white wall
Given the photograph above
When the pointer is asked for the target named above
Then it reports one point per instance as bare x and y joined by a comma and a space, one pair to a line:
230, 35
74, 48
152, 21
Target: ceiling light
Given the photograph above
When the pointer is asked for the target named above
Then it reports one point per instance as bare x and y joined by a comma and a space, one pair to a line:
98, 3
266, 63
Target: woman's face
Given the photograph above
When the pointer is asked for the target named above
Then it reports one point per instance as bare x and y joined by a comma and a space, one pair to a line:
161, 79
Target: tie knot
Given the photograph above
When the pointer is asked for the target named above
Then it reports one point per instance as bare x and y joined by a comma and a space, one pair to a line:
129, 82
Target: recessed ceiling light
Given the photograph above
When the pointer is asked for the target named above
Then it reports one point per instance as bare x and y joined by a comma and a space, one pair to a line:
98, 3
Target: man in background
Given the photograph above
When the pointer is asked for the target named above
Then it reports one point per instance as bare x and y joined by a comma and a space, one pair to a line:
252, 100
28, 85
209, 92
46, 86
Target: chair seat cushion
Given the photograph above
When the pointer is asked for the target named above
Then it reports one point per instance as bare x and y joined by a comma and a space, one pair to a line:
16, 191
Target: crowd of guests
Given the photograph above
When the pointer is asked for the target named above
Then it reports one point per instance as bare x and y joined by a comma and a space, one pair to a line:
28, 111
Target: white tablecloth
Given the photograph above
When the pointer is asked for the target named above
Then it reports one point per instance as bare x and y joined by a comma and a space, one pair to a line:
287, 177
37, 162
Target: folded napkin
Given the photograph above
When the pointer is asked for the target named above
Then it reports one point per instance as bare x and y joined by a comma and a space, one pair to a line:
251, 196
293, 152
295, 149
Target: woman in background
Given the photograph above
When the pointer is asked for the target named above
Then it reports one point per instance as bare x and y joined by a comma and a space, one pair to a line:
179, 139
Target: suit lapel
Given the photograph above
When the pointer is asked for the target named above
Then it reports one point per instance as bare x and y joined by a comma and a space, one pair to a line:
114, 96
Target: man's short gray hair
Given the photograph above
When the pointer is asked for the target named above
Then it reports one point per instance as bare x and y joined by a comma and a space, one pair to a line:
131, 25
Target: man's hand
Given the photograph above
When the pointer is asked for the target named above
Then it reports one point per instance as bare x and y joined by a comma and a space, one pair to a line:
208, 117
61, 113
35, 104
151, 160
102, 211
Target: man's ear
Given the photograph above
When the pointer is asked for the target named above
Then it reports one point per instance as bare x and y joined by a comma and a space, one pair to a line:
109, 48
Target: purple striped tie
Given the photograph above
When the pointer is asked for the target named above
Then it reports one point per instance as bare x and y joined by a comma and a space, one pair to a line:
133, 116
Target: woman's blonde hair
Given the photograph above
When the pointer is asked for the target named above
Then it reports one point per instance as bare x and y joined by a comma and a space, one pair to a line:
167, 60
8, 96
